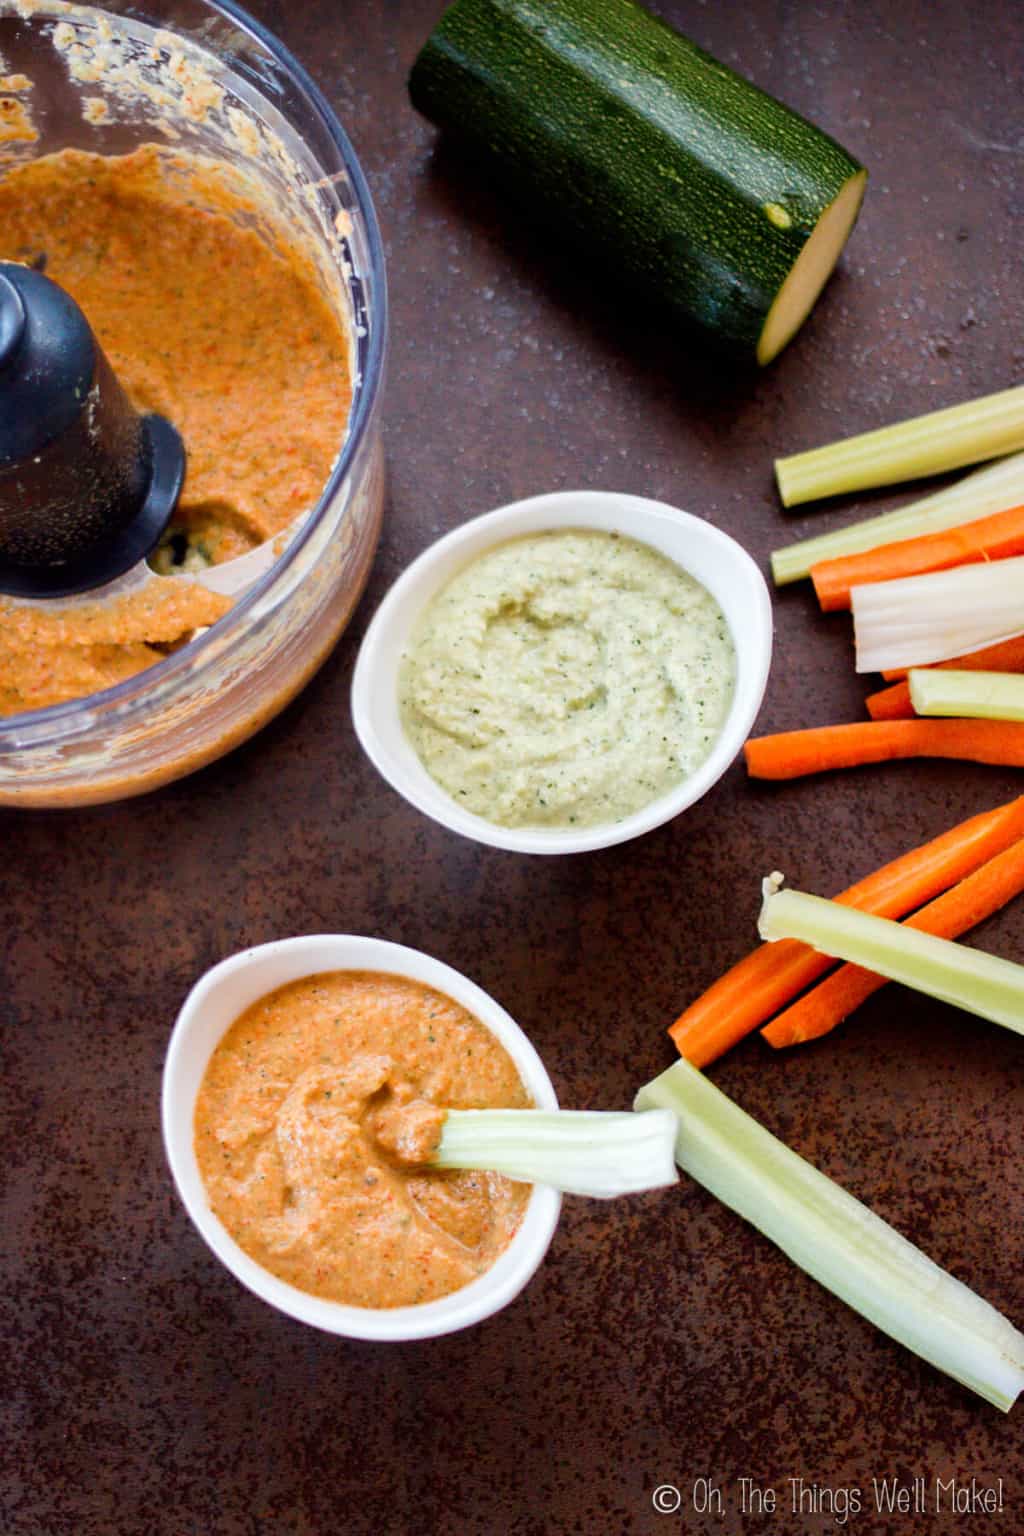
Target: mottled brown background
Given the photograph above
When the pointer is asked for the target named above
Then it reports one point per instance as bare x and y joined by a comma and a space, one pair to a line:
663, 1340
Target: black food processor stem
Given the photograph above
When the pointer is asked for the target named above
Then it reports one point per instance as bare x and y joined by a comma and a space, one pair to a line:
87, 485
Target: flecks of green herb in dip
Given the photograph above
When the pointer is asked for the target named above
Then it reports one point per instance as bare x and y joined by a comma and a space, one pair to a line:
566, 680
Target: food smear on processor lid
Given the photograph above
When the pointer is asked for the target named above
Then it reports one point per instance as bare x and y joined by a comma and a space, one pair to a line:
566, 680
313, 1125
207, 322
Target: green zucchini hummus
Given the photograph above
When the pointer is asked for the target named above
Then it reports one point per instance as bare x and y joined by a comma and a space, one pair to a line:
566, 679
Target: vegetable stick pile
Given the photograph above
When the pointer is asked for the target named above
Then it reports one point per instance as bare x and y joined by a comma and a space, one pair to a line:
938, 584
956, 881
947, 917
937, 593
946, 886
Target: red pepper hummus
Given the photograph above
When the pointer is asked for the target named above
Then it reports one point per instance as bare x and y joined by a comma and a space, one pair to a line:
208, 323
313, 1125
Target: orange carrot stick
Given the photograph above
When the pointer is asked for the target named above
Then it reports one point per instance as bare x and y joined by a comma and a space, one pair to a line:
989, 538
950, 915
892, 703
772, 975
1006, 656
791, 754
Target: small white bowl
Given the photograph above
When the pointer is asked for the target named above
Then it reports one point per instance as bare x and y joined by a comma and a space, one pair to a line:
716, 560
214, 1004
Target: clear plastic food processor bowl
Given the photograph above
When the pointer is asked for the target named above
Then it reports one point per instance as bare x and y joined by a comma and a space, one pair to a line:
204, 77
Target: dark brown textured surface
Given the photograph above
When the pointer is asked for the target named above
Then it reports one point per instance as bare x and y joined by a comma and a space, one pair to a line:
663, 1341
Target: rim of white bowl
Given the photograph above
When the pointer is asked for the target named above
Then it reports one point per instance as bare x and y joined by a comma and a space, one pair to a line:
218, 998
716, 559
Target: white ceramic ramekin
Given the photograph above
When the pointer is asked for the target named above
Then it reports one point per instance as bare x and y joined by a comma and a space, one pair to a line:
716, 560
216, 1001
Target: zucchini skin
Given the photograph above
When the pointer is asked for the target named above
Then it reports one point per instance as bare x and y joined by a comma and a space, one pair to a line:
691, 182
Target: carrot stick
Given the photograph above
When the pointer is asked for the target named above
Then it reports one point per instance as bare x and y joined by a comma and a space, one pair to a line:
772, 975
989, 538
1006, 656
892, 703
950, 915
791, 754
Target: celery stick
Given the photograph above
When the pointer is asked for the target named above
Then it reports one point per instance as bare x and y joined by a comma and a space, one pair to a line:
993, 489
954, 973
916, 620
838, 1240
581, 1152
978, 695
925, 445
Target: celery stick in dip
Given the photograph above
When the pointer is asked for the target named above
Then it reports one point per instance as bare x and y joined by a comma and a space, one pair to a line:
566, 679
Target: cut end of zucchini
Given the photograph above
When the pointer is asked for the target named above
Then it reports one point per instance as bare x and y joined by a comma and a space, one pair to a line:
811, 270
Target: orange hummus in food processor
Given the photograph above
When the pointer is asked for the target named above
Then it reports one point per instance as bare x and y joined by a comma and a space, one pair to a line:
208, 324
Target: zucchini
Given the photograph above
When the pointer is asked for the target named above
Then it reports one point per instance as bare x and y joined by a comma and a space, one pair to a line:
723, 204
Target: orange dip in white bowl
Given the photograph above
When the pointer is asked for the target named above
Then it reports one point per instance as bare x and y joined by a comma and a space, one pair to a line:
250, 1062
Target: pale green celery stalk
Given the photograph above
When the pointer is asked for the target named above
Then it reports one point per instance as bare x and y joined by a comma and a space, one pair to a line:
926, 445
993, 489
976, 695
580, 1152
916, 620
838, 1240
953, 973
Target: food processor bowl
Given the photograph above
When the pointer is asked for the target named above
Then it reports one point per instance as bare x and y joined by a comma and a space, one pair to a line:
202, 76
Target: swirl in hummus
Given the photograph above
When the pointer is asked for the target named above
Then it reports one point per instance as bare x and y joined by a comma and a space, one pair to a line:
315, 1119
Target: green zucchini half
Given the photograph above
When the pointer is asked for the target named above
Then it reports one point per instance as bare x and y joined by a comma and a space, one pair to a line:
722, 203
